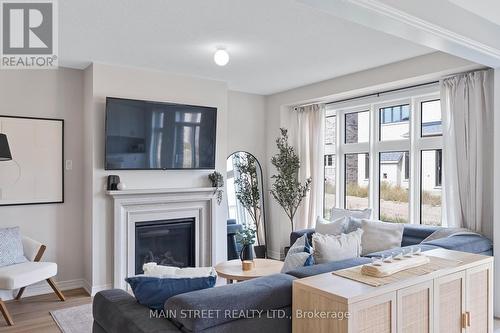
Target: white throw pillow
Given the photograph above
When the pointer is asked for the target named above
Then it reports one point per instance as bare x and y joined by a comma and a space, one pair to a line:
380, 236
336, 213
329, 248
298, 255
326, 227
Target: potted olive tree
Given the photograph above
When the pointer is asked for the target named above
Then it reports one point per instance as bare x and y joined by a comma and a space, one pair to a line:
286, 188
248, 194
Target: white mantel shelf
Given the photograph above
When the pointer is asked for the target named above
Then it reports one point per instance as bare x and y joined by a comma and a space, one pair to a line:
173, 190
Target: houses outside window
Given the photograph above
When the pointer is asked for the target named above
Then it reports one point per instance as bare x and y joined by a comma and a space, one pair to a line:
386, 153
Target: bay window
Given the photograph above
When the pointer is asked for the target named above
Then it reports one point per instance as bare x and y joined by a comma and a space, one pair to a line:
385, 153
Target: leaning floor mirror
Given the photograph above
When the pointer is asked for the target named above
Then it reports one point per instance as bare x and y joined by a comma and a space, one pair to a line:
245, 195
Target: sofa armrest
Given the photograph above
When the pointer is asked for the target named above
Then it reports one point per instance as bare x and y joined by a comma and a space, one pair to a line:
299, 233
32, 249
116, 311
230, 302
466, 243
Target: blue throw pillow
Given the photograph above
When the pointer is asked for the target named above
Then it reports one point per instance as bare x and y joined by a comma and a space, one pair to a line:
299, 255
154, 291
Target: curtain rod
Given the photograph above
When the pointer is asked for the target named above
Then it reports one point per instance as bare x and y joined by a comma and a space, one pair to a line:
378, 94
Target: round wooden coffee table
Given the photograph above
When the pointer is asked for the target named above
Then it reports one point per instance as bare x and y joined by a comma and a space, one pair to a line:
232, 271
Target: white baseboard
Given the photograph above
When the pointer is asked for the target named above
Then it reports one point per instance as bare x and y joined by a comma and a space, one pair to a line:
42, 288
98, 288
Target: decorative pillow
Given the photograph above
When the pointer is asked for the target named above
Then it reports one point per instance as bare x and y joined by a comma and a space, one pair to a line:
326, 227
380, 236
11, 247
298, 255
352, 224
329, 248
337, 213
153, 291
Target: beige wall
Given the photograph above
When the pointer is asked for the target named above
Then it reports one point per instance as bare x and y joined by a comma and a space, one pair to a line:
106, 80
412, 71
52, 94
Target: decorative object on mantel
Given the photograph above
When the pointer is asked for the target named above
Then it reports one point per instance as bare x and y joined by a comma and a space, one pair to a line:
286, 188
121, 186
113, 181
246, 237
247, 175
218, 182
5, 154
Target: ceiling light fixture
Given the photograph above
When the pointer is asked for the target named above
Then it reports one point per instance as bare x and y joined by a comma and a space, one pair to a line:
221, 57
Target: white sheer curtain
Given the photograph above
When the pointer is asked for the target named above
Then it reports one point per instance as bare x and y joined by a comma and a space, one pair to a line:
467, 106
308, 138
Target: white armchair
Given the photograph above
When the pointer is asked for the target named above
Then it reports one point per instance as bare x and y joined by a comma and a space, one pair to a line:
19, 276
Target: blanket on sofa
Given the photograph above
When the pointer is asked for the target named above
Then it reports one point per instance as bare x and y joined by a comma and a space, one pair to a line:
449, 232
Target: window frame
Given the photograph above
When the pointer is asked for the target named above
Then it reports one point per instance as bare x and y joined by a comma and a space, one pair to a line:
414, 144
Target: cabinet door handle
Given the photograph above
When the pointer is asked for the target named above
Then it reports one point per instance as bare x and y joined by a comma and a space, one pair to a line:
468, 318
464, 320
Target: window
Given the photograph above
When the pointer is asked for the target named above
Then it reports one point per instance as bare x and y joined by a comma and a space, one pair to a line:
431, 118
394, 122
356, 182
357, 127
389, 158
329, 197
431, 203
394, 194
439, 167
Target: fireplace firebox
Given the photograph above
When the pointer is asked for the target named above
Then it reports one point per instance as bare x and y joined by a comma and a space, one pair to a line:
169, 243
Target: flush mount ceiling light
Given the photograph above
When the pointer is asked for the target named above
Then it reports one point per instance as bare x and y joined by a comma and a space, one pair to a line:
221, 57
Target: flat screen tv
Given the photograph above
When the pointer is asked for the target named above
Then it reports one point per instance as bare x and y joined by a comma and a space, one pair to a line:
144, 135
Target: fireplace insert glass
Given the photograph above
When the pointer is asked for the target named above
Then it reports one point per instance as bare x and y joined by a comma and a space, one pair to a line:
169, 243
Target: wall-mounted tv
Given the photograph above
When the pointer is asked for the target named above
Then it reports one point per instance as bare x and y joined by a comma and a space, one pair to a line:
145, 135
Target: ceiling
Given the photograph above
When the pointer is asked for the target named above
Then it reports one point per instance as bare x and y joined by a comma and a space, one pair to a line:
489, 9
274, 45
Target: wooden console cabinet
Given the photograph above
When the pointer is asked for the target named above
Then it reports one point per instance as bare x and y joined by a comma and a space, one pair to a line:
455, 300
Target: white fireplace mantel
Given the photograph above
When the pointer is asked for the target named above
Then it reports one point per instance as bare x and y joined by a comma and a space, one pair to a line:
138, 205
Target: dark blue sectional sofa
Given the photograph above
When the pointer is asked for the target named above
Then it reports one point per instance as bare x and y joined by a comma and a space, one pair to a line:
233, 307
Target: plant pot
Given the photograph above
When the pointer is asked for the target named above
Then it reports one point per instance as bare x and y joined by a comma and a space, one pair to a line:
260, 251
287, 248
246, 253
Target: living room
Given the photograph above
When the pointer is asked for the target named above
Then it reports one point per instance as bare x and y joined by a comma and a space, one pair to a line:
336, 159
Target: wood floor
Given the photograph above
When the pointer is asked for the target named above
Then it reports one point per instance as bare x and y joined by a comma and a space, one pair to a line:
31, 314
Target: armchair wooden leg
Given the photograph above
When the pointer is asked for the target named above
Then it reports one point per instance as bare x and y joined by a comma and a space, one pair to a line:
20, 293
6, 314
56, 290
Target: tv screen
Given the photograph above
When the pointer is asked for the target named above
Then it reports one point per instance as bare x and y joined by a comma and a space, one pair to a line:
152, 135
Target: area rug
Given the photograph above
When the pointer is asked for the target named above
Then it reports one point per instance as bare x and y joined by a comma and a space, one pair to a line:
77, 319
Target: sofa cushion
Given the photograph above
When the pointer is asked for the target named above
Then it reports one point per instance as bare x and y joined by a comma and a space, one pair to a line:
11, 247
115, 311
465, 243
299, 233
397, 250
22, 275
337, 213
379, 236
328, 267
336, 247
326, 227
153, 291
230, 302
